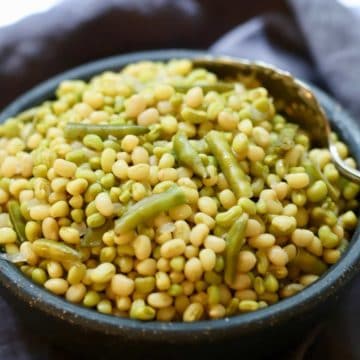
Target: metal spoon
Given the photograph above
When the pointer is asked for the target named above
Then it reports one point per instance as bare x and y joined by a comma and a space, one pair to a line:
291, 96
13, 258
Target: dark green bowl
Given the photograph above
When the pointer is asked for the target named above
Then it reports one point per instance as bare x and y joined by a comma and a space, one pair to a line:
260, 332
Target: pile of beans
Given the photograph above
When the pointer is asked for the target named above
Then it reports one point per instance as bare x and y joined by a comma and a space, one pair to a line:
161, 192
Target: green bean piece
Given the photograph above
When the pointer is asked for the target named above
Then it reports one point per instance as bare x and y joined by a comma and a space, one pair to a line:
17, 220
193, 116
233, 173
153, 133
309, 263
315, 173
187, 155
149, 207
79, 130
219, 87
93, 236
54, 250
226, 219
235, 241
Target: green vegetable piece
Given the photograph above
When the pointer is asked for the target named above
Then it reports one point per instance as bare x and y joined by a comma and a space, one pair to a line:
349, 220
140, 311
39, 276
259, 285
315, 173
271, 283
320, 216
235, 241
187, 155
93, 236
248, 206
17, 220
77, 156
200, 146
213, 292
153, 134
350, 190
93, 141
317, 191
219, 265
95, 220
193, 116
149, 207
309, 263
11, 128
235, 176
328, 239
79, 130
175, 290
91, 299
54, 250
212, 278
227, 218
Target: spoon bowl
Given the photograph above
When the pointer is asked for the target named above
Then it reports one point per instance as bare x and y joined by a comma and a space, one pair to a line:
291, 97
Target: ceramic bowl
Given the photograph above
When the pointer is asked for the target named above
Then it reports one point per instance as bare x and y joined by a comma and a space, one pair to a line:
258, 333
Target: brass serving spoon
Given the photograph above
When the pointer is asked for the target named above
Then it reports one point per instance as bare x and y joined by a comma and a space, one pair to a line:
292, 97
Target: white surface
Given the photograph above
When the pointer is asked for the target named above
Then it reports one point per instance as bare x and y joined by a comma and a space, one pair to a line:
350, 3
14, 10
353, 5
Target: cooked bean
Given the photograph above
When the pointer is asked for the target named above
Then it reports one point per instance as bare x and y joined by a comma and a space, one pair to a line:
121, 285
215, 243
198, 234
102, 273
57, 286
172, 248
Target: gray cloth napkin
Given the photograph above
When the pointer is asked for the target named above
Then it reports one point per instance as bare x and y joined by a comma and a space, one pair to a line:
324, 30
317, 40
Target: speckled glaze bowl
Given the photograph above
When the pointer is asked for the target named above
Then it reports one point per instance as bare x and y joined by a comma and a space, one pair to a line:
260, 333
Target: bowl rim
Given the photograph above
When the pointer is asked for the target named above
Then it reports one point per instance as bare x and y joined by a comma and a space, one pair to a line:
37, 297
